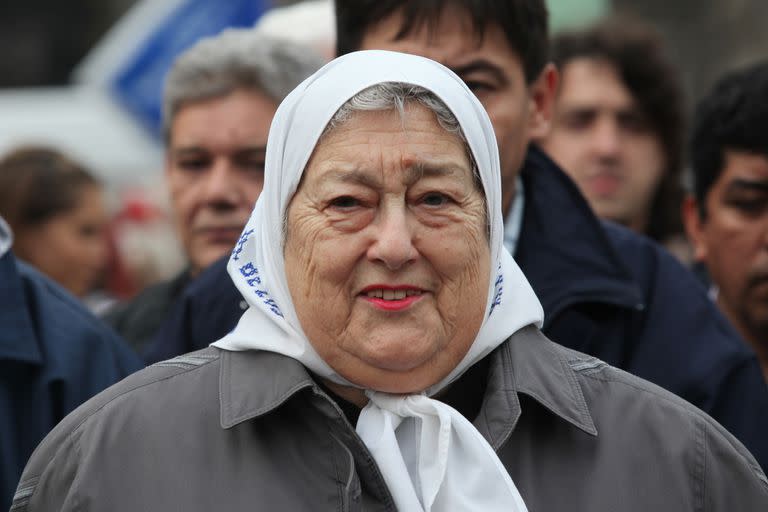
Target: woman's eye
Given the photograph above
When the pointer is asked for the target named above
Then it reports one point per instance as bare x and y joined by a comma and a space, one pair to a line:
345, 202
434, 199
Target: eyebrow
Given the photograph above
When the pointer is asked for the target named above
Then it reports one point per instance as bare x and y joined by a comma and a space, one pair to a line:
740, 184
432, 170
184, 150
481, 66
413, 173
581, 106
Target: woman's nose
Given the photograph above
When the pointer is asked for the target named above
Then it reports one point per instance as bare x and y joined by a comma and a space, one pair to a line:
393, 238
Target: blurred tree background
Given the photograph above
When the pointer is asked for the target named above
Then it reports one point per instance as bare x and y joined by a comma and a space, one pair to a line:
706, 37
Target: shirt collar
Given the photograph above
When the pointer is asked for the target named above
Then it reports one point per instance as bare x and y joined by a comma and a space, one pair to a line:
253, 383
18, 338
6, 237
514, 221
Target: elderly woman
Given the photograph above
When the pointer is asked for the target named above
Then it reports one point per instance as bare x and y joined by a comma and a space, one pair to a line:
390, 359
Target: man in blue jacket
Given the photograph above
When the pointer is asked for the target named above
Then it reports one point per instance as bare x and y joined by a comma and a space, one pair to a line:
605, 291
54, 355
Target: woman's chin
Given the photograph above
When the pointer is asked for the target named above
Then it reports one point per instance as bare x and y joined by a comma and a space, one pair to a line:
402, 385
398, 377
402, 357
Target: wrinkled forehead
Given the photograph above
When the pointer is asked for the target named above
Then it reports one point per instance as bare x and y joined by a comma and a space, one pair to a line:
411, 138
304, 115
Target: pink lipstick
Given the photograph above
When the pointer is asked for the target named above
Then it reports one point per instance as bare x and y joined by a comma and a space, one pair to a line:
391, 298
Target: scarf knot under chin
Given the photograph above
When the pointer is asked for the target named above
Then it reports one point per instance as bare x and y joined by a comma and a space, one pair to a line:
440, 451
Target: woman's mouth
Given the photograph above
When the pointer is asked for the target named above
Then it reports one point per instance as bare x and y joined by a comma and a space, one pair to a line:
392, 298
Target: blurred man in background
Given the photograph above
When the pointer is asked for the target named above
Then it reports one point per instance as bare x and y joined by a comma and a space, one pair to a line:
727, 217
310, 24
54, 356
617, 128
219, 100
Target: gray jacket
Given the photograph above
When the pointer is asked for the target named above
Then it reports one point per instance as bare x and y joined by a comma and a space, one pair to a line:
217, 430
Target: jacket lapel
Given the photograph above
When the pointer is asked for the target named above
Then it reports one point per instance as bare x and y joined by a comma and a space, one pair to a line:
530, 364
254, 382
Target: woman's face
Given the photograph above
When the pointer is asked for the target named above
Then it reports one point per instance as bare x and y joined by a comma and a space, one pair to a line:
386, 254
71, 247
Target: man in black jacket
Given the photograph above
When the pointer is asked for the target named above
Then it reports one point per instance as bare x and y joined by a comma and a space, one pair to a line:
605, 290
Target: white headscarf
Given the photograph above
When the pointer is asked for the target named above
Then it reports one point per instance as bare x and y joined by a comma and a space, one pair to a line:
431, 457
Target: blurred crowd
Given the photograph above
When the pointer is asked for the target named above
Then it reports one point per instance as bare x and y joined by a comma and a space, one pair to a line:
642, 229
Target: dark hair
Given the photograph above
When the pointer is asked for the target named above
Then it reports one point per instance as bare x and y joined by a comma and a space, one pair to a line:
38, 183
524, 23
637, 53
734, 115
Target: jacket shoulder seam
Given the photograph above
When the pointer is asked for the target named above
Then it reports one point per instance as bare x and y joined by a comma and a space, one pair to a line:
32, 481
704, 421
184, 370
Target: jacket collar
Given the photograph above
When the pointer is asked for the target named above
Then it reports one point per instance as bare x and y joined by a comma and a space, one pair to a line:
563, 248
530, 364
18, 338
253, 383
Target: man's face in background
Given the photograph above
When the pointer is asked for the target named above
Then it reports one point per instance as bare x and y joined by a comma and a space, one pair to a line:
604, 142
215, 170
732, 241
491, 69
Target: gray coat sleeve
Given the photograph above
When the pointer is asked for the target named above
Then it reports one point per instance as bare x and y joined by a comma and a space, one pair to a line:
49, 480
732, 477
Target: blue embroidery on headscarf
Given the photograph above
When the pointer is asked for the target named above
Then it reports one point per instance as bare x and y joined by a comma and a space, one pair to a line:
498, 289
240, 243
273, 307
250, 271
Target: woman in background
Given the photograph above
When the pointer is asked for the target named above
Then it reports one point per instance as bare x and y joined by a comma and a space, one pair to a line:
56, 211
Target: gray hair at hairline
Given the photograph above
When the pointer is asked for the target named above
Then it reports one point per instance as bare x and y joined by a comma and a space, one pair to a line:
233, 60
394, 96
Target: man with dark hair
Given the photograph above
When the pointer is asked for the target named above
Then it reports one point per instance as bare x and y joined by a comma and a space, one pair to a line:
727, 219
617, 128
605, 291
498, 47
